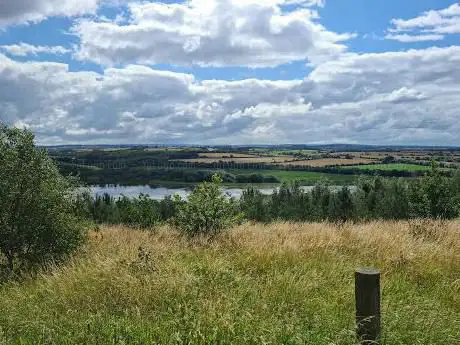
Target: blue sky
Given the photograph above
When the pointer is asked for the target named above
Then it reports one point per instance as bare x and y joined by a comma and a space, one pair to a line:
219, 71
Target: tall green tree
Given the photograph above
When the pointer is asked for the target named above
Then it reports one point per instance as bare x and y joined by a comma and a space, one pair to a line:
441, 195
341, 206
320, 200
37, 221
255, 205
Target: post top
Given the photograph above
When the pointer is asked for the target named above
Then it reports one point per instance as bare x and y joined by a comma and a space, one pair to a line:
368, 270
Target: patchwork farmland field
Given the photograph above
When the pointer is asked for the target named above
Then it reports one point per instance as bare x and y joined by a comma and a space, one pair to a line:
329, 162
253, 159
161, 166
387, 167
279, 160
281, 152
225, 155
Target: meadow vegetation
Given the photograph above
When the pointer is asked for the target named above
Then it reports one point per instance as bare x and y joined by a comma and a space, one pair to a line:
284, 283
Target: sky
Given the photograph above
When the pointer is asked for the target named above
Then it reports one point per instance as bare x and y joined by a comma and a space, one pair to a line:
380, 72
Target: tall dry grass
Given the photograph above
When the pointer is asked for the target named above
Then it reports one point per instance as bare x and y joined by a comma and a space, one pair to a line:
275, 284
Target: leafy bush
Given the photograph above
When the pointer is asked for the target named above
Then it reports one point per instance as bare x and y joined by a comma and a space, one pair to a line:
37, 221
141, 212
207, 212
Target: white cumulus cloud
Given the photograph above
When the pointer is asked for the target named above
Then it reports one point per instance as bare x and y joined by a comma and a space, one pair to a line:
24, 11
251, 33
432, 25
408, 97
405, 38
24, 49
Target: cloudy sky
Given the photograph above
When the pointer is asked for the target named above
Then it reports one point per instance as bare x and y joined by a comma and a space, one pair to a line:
232, 71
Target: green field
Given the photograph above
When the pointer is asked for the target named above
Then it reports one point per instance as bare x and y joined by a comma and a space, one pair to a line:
389, 167
305, 177
275, 284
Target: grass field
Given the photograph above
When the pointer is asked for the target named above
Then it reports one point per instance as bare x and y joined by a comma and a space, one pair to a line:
329, 162
305, 177
276, 284
395, 166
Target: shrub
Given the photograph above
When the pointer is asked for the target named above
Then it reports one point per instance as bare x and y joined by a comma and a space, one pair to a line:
37, 221
207, 212
146, 213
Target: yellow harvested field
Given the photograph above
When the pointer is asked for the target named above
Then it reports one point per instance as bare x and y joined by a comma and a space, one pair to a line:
330, 162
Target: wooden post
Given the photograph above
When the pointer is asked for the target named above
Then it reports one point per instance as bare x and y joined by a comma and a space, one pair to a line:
367, 294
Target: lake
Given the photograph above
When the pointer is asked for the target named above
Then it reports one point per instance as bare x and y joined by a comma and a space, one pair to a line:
160, 193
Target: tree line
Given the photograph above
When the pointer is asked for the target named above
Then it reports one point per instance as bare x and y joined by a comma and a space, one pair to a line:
433, 196
372, 198
151, 176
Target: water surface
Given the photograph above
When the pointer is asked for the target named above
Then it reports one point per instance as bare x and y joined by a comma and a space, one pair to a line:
161, 192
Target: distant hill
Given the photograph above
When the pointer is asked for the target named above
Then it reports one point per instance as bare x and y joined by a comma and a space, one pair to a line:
327, 147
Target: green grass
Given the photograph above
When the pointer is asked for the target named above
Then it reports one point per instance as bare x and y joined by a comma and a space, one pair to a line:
277, 284
305, 177
392, 166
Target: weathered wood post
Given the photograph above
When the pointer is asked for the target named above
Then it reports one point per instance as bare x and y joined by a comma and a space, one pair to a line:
367, 294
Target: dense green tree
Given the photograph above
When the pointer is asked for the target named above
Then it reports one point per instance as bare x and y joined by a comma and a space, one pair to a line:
441, 196
37, 219
396, 202
254, 205
341, 205
418, 201
320, 200
291, 203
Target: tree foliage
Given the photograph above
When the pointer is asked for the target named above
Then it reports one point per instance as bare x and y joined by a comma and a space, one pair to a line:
141, 212
37, 221
433, 196
207, 212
